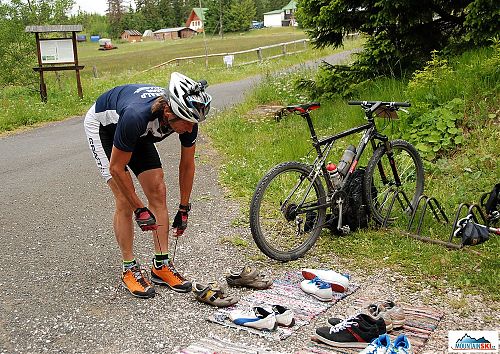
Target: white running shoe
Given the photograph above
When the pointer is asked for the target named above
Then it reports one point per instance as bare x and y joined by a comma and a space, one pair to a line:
396, 312
338, 282
284, 316
380, 345
318, 288
256, 317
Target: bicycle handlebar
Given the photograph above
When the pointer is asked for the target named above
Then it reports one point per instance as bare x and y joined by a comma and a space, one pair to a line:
371, 103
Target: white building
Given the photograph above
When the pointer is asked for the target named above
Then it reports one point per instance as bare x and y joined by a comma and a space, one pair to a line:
282, 17
274, 18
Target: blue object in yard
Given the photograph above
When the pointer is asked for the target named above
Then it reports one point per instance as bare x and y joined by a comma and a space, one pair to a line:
257, 24
81, 38
95, 38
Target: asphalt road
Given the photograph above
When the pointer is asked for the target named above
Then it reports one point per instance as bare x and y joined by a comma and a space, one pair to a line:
59, 281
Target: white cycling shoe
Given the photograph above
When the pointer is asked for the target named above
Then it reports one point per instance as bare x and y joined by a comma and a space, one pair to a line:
256, 317
338, 282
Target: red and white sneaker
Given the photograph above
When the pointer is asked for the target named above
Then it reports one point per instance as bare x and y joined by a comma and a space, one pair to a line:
338, 282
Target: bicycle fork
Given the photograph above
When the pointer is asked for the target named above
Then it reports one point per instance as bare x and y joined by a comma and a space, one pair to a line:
395, 188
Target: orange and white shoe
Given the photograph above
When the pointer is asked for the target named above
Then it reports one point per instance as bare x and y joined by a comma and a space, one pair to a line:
166, 274
134, 281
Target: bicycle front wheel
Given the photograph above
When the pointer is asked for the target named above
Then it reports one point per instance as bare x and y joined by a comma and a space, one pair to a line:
382, 194
285, 219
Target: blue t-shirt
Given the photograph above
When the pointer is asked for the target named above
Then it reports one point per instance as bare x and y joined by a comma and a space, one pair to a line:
126, 111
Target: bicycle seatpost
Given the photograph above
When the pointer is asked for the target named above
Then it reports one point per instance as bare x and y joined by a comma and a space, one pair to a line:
314, 137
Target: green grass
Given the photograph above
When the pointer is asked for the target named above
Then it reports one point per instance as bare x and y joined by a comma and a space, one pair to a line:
142, 55
251, 144
21, 106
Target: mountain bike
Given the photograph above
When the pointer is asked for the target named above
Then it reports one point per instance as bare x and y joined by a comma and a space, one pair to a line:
289, 207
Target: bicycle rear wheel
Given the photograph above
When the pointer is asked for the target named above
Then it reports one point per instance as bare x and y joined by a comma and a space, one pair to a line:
380, 186
284, 218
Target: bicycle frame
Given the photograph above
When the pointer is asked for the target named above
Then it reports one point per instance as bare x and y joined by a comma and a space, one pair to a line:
371, 134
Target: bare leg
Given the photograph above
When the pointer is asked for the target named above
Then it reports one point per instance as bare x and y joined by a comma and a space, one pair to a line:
123, 222
155, 190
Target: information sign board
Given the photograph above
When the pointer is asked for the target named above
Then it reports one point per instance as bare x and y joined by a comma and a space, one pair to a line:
57, 51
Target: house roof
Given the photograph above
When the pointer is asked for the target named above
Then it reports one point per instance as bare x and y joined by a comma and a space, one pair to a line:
200, 12
174, 29
292, 5
274, 12
132, 32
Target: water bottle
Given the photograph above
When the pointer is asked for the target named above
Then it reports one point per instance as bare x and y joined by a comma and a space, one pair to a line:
345, 162
334, 174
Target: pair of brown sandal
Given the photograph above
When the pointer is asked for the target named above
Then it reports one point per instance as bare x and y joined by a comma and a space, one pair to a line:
213, 294
248, 277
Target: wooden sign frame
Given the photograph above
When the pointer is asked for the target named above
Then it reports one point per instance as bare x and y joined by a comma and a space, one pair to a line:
59, 58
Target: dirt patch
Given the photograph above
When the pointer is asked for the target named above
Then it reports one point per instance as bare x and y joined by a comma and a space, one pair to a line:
266, 112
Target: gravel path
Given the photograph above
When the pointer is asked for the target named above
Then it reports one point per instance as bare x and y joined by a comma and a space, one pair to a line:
60, 277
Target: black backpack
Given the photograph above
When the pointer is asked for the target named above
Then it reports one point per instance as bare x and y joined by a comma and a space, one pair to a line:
357, 214
471, 233
492, 204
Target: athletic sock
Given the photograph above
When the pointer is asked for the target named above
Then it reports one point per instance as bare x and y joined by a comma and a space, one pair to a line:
129, 264
160, 259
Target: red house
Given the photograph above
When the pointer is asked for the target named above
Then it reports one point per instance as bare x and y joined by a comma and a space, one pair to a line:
196, 18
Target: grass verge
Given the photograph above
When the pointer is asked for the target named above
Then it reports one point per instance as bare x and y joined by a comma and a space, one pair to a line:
251, 143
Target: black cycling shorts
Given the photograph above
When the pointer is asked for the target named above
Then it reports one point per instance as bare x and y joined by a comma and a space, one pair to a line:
144, 157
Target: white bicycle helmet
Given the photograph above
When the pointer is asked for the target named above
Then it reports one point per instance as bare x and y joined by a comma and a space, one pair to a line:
187, 98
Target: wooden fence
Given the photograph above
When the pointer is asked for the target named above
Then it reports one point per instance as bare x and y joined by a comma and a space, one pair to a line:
272, 51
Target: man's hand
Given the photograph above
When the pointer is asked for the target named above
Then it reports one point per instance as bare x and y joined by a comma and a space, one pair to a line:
181, 219
145, 219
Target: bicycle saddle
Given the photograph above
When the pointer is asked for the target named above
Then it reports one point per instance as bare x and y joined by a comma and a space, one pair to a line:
303, 108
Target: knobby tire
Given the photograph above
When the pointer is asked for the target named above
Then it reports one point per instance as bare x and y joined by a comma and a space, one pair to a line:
277, 237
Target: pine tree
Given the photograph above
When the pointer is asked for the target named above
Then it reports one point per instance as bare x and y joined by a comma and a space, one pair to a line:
115, 13
240, 16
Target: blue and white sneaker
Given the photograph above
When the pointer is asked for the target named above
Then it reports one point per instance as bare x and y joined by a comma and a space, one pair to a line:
380, 345
256, 317
401, 345
318, 288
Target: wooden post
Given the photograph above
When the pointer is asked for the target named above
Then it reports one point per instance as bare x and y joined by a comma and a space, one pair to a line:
259, 54
75, 55
43, 88
94, 71
283, 50
58, 80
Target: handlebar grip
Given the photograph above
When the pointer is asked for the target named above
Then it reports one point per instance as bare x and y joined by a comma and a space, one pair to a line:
354, 103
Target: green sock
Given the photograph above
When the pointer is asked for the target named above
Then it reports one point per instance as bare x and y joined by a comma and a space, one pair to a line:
128, 264
160, 258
